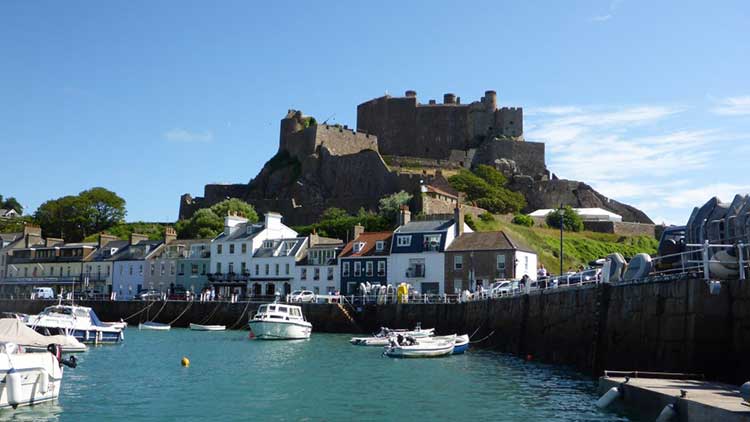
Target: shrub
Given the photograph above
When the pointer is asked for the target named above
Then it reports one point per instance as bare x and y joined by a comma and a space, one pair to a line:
570, 219
469, 220
523, 220
486, 217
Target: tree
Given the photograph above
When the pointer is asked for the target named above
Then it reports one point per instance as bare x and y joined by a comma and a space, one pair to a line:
485, 186
103, 207
570, 219
10, 203
238, 206
491, 175
523, 220
389, 206
337, 223
207, 223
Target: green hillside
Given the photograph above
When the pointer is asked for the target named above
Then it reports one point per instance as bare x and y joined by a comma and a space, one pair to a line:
154, 231
579, 248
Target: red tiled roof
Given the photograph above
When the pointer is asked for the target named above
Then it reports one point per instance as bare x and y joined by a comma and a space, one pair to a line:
370, 238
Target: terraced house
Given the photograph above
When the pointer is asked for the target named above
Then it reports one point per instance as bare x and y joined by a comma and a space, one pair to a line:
318, 271
365, 259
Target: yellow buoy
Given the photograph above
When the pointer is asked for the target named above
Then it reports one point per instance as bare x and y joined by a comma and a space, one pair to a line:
185, 361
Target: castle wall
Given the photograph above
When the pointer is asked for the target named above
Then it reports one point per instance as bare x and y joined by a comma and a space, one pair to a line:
343, 141
440, 129
529, 156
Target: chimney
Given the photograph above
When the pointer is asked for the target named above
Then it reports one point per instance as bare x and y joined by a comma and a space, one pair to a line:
52, 241
273, 221
458, 219
404, 215
358, 230
32, 235
105, 238
169, 234
137, 237
232, 223
314, 239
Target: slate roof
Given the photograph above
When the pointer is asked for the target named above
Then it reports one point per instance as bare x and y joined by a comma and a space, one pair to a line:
439, 191
425, 226
241, 233
10, 237
370, 239
487, 241
130, 252
270, 252
99, 255
326, 242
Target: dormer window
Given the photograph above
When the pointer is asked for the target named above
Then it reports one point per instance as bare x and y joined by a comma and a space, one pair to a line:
358, 246
268, 243
379, 246
432, 242
403, 240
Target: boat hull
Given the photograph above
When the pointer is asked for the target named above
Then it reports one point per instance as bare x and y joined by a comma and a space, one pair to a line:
420, 351
200, 327
154, 326
280, 330
30, 368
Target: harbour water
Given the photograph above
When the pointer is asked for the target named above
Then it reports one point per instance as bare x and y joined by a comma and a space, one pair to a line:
321, 379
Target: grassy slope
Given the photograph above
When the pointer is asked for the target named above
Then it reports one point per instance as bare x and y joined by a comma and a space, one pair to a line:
579, 248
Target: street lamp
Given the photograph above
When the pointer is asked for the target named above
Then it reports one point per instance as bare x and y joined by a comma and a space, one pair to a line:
562, 223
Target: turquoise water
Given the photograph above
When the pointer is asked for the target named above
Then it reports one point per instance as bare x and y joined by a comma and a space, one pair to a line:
322, 379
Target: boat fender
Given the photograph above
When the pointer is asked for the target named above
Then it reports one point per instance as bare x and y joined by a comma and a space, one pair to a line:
745, 391
610, 396
43, 381
71, 362
13, 387
669, 413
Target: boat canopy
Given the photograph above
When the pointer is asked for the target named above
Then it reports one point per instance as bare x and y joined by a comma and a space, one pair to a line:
13, 330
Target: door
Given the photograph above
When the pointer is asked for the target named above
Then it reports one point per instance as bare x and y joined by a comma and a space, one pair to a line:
257, 289
287, 288
270, 289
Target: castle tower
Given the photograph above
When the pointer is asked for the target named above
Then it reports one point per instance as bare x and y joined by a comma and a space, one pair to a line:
490, 100
290, 124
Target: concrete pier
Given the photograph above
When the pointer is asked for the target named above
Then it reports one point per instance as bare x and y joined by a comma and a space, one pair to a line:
703, 401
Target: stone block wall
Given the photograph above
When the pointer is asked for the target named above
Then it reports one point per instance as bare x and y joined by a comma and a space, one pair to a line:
620, 227
529, 156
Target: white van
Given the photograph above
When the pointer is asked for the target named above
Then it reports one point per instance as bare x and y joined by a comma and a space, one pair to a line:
43, 293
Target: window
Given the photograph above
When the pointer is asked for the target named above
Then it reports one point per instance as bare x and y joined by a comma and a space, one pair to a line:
140, 269
303, 274
381, 268
368, 268
276, 268
244, 248
194, 269
316, 273
286, 268
358, 246
257, 269
432, 242
203, 269
458, 262
416, 268
171, 268
380, 246
182, 268
243, 268
345, 271
357, 269
267, 266
130, 269
268, 243
501, 264
403, 240
218, 267
153, 268
526, 264
231, 268
218, 248
231, 248
162, 269
329, 274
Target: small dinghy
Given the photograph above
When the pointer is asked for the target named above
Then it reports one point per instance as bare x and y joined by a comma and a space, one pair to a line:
381, 337
201, 327
409, 347
461, 342
118, 324
150, 325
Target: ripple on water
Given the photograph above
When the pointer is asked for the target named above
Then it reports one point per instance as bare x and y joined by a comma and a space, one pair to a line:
325, 378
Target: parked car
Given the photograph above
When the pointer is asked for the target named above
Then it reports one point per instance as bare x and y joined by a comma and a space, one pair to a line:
148, 295
503, 288
301, 296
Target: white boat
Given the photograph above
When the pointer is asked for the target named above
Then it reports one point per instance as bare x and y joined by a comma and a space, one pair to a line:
157, 326
78, 321
419, 348
118, 324
381, 338
13, 330
201, 327
279, 322
461, 343
29, 378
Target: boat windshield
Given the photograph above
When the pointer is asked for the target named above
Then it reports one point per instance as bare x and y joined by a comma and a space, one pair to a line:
262, 309
272, 308
57, 310
95, 319
283, 309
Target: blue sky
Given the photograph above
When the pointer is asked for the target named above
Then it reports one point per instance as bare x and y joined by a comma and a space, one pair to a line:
647, 101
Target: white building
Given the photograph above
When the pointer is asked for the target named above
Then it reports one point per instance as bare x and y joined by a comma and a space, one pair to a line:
587, 214
232, 251
318, 270
129, 265
418, 251
274, 266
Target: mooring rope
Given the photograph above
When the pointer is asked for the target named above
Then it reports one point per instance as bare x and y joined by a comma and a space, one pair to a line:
475, 331
483, 339
144, 309
157, 314
182, 313
240, 318
206, 319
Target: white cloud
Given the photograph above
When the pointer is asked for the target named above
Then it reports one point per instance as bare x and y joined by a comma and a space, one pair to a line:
613, 5
601, 18
186, 136
733, 106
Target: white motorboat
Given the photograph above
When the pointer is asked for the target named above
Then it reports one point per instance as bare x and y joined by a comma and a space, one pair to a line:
381, 337
156, 326
78, 321
461, 343
279, 322
409, 347
117, 324
29, 378
15, 331
201, 327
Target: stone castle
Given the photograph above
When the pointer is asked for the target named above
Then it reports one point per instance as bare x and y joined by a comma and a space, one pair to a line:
319, 166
